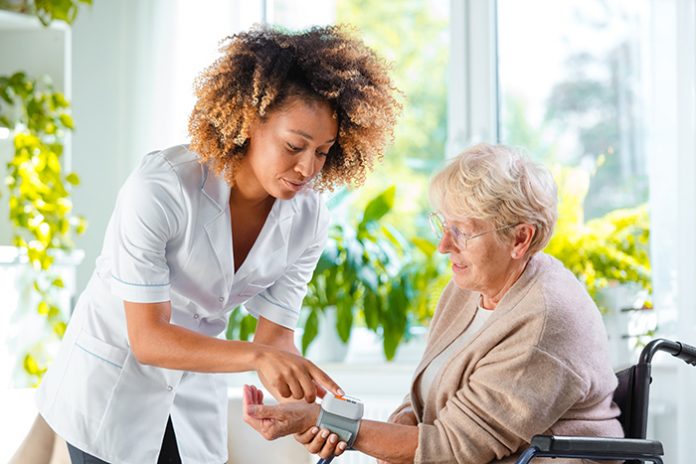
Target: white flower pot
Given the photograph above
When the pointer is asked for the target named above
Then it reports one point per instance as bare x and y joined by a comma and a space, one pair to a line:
327, 347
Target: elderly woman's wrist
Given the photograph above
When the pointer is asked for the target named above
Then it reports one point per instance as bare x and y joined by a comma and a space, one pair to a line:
311, 416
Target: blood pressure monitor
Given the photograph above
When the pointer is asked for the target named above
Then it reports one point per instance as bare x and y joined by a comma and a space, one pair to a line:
341, 415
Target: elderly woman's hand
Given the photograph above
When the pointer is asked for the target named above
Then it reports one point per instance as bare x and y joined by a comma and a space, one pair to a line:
276, 421
321, 442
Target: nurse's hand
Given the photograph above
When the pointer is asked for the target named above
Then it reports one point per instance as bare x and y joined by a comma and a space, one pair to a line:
292, 376
279, 420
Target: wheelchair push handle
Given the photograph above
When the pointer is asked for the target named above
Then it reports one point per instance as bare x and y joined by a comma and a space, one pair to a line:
683, 351
687, 354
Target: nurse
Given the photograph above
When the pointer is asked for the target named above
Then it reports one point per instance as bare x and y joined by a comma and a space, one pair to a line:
235, 217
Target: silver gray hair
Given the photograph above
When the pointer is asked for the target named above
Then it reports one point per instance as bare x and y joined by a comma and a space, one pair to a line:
498, 184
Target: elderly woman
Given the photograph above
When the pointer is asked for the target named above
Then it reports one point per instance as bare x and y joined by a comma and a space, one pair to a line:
516, 345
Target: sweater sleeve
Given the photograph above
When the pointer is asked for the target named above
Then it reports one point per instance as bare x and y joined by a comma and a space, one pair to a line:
507, 400
406, 403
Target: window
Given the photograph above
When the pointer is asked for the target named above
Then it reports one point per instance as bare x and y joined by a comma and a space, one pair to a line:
572, 89
415, 41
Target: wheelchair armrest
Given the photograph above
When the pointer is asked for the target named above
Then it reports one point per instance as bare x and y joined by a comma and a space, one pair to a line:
621, 448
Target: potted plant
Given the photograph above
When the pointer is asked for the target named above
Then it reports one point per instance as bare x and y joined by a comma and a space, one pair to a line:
368, 274
371, 273
601, 252
40, 211
36, 119
46, 10
608, 254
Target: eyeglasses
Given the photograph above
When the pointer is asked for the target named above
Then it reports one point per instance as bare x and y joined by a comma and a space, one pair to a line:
440, 225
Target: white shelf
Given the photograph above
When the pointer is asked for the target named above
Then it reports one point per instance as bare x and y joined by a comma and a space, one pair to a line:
11, 21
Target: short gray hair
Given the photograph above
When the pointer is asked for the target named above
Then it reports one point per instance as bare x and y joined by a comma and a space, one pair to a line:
498, 184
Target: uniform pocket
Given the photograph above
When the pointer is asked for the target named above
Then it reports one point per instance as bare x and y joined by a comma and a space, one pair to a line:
91, 374
103, 351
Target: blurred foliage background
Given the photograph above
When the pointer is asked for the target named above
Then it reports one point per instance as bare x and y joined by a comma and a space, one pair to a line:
382, 271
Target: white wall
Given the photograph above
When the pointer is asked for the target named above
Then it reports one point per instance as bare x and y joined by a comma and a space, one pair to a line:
99, 94
133, 68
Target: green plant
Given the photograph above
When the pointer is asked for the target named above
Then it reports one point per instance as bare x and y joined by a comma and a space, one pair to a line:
47, 10
40, 208
607, 250
372, 275
371, 272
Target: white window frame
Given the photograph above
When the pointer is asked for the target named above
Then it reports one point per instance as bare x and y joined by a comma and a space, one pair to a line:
472, 107
671, 140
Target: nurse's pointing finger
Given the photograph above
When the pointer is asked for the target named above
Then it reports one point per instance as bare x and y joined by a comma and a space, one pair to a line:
323, 379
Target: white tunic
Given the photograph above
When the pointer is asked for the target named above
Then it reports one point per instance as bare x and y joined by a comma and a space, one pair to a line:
170, 239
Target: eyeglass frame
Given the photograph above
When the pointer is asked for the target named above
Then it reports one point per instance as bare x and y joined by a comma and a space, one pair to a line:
455, 231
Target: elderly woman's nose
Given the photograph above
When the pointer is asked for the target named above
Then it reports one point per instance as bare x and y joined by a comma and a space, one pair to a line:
447, 244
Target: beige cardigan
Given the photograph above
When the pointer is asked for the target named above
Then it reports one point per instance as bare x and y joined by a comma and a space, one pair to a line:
539, 365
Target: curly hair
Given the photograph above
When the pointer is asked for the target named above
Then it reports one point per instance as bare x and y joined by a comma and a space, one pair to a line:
263, 68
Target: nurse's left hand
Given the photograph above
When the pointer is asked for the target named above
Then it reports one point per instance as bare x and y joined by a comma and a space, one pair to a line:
292, 376
279, 420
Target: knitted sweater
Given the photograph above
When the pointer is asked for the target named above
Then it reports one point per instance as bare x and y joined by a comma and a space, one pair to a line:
540, 364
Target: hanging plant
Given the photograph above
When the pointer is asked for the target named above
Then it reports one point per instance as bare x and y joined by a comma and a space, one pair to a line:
40, 209
46, 10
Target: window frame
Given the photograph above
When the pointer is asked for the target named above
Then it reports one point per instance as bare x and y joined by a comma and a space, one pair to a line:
474, 110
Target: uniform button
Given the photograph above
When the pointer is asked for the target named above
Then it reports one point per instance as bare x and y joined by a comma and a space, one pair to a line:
170, 388
196, 316
221, 299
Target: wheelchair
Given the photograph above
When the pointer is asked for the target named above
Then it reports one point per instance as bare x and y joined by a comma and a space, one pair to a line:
631, 395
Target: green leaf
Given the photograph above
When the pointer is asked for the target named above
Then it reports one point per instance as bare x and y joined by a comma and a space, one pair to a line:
427, 247
378, 207
391, 341
59, 100
247, 327
344, 319
233, 324
53, 311
67, 121
59, 328
367, 276
4, 94
371, 310
81, 225
43, 308
311, 329
328, 259
31, 366
72, 179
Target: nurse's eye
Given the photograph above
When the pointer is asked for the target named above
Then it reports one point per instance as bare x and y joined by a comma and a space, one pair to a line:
322, 154
293, 148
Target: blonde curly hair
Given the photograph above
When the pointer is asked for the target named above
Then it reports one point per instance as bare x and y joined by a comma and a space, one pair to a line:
263, 68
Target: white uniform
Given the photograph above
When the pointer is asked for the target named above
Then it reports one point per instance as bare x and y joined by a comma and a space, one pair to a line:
170, 238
